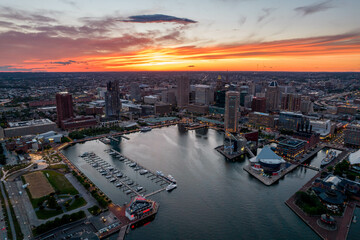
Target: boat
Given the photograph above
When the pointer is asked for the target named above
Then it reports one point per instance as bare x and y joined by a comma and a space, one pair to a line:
354, 219
132, 165
330, 156
138, 189
104, 173
143, 171
112, 180
171, 178
118, 185
171, 186
110, 168
111, 153
108, 176
116, 171
119, 175
145, 129
130, 183
128, 191
159, 173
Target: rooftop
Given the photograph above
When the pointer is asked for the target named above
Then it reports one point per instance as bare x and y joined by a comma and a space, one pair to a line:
31, 123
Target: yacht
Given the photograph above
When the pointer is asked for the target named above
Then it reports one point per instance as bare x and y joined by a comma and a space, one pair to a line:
159, 173
110, 168
171, 186
112, 180
108, 176
116, 171
143, 171
145, 129
128, 191
131, 182
171, 178
330, 156
118, 185
119, 175
132, 165
138, 189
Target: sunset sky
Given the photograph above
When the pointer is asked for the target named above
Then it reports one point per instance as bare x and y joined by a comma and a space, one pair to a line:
186, 35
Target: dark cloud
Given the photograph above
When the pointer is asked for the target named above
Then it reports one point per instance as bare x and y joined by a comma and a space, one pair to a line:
191, 66
20, 15
157, 18
65, 62
266, 13
9, 68
314, 8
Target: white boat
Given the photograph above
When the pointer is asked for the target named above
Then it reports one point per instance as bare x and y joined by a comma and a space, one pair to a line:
330, 156
128, 191
143, 171
118, 185
171, 186
116, 171
132, 165
145, 129
111, 153
138, 189
110, 168
354, 219
171, 178
119, 175
112, 180
108, 176
159, 173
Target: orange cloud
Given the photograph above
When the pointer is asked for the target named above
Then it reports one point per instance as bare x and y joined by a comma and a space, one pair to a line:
326, 53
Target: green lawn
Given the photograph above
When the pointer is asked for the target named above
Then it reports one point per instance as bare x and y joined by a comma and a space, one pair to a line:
94, 210
45, 214
76, 204
60, 182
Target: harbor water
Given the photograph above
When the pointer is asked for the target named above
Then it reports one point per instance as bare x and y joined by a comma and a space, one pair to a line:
215, 198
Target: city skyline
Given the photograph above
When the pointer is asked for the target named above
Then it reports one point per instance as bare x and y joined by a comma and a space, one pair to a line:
216, 35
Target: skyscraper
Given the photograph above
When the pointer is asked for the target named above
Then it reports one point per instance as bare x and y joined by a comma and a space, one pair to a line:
203, 94
273, 97
64, 107
112, 100
183, 90
135, 92
258, 104
291, 102
232, 103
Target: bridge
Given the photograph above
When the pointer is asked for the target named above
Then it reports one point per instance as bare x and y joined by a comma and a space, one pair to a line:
249, 151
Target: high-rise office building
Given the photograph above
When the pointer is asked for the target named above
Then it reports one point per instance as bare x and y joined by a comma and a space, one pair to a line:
135, 92
112, 100
258, 104
183, 90
232, 103
64, 107
291, 102
273, 97
203, 94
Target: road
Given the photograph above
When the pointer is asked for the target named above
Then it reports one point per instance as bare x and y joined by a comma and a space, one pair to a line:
21, 211
8, 211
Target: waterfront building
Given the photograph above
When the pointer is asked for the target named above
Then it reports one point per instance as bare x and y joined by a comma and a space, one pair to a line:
293, 122
151, 99
64, 106
260, 119
112, 100
183, 91
216, 111
234, 144
311, 138
139, 208
267, 160
232, 104
273, 97
162, 108
290, 148
291, 102
352, 134
203, 94
31, 127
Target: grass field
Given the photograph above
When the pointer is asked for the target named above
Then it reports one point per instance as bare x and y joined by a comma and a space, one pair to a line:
39, 186
45, 214
60, 182
77, 203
